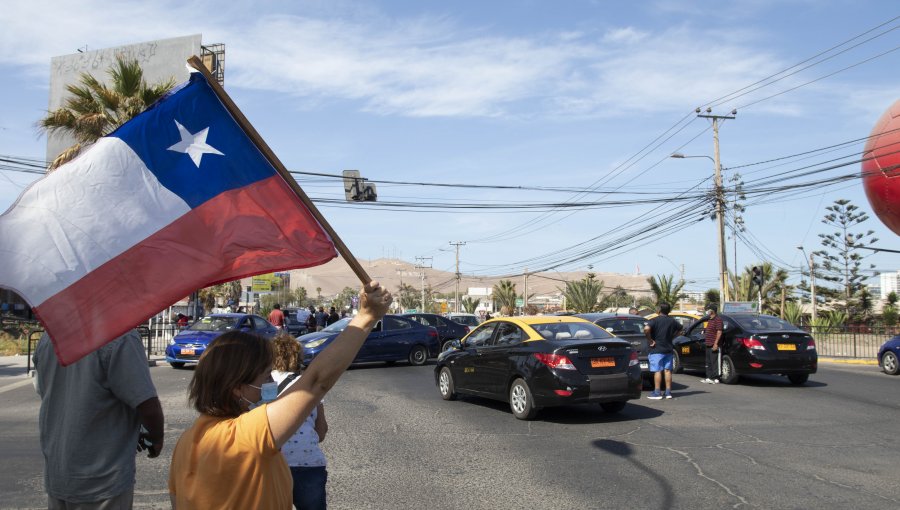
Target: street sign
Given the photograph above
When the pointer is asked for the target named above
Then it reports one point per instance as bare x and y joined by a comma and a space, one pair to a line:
520, 302
410, 310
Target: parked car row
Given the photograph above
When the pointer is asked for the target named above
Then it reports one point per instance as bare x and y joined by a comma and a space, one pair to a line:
534, 362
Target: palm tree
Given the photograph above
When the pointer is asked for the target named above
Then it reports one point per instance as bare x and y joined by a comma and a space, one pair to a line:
505, 294
469, 304
583, 295
94, 109
665, 289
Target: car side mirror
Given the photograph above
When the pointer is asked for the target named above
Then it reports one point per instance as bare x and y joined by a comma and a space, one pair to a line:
681, 340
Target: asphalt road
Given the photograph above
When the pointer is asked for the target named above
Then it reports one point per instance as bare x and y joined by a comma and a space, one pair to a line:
394, 444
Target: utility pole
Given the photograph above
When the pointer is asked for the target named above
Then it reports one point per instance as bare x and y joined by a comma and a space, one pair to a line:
525, 295
720, 200
681, 301
812, 280
457, 244
812, 284
420, 264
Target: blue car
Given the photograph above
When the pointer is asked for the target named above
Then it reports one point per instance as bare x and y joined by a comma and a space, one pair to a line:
188, 345
888, 356
394, 338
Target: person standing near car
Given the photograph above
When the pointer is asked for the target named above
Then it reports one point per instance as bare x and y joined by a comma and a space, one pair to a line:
90, 421
332, 317
301, 451
276, 316
311, 319
321, 318
713, 340
660, 332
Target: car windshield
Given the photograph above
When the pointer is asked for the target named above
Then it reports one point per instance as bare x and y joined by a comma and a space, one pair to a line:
466, 320
622, 326
764, 323
570, 330
338, 326
214, 324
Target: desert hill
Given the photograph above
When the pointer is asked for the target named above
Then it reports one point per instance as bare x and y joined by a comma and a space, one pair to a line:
332, 277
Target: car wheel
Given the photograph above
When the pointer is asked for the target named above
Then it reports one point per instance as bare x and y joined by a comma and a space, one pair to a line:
446, 346
176, 364
676, 364
798, 379
445, 384
418, 355
520, 401
728, 375
889, 363
612, 407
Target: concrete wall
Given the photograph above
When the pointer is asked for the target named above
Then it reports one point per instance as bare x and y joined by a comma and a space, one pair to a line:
160, 60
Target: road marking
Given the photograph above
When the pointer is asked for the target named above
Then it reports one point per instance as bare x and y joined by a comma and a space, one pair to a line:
15, 385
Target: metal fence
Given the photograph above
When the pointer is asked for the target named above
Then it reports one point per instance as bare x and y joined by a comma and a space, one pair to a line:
156, 335
861, 342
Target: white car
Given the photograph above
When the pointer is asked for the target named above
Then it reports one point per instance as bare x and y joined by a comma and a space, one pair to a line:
466, 319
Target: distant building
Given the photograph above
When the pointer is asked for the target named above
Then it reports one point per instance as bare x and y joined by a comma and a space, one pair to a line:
890, 282
160, 60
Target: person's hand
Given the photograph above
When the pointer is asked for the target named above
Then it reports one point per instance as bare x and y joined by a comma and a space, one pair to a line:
375, 300
715, 347
153, 447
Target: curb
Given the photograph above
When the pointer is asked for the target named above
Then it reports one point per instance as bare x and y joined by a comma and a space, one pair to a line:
850, 361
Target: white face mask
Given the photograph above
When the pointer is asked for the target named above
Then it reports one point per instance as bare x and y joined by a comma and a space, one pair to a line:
268, 392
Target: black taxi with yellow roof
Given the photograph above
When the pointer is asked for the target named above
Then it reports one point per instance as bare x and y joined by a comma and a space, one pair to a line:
533, 362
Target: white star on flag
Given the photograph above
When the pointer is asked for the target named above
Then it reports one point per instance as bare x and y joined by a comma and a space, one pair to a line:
194, 145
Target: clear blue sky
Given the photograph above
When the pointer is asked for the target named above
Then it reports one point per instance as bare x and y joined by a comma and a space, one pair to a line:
526, 93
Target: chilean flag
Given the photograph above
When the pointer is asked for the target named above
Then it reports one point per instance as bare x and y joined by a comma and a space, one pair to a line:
177, 199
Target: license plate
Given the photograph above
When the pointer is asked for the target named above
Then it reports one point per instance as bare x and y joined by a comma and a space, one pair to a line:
644, 365
603, 362
685, 350
787, 347
187, 352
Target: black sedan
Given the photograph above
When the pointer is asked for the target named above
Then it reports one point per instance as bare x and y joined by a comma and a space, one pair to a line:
447, 329
752, 344
541, 361
628, 327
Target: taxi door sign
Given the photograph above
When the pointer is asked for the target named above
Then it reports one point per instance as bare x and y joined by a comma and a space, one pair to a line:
739, 307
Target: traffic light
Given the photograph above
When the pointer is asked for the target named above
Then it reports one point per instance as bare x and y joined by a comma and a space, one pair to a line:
757, 276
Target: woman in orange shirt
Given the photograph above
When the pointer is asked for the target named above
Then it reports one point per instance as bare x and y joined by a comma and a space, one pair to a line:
231, 455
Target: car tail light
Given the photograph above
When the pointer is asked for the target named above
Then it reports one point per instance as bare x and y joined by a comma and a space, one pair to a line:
811, 345
563, 393
752, 344
756, 365
432, 332
633, 359
559, 361
467, 329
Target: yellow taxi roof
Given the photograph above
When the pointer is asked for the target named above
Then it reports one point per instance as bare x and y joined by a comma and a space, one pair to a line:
528, 320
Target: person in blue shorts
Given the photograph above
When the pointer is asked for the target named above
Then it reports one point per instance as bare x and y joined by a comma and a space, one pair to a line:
660, 332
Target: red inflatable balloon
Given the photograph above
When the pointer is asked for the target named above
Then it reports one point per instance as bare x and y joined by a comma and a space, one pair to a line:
881, 173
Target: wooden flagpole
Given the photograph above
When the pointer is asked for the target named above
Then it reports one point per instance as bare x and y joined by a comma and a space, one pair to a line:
248, 128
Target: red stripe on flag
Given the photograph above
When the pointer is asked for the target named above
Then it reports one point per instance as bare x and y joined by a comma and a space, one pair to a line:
252, 230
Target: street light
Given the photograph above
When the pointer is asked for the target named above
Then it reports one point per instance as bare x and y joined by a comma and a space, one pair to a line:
720, 220
681, 270
810, 263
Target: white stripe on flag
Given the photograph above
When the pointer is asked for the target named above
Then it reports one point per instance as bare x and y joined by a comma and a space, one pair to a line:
81, 216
